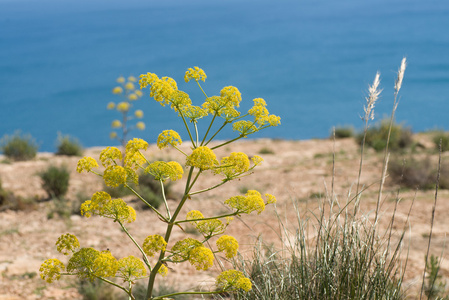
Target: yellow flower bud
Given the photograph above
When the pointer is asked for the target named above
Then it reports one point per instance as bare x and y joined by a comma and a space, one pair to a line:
117, 90
116, 124
111, 105
121, 79
138, 113
140, 125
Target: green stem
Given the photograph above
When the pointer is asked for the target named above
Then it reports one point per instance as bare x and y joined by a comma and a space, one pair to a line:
222, 126
208, 189
179, 150
210, 218
165, 200
145, 258
201, 88
208, 129
168, 233
187, 127
228, 142
196, 133
148, 204
128, 292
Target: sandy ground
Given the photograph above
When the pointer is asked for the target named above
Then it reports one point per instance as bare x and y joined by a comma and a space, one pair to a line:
296, 172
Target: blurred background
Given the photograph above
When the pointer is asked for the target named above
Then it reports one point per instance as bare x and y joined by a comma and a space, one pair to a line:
311, 60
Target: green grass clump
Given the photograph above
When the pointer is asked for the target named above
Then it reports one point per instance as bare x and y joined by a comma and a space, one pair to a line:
417, 173
444, 138
344, 132
67, 145
376, 137
18, 147
266, 150
349, 259
55, 181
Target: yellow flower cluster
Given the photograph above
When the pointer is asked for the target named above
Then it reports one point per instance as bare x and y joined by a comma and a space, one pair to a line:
101, 204
109, 156
168, 137
51, 269
208, 228
192, 250
133, 156
228, 245
67, 243
245, 127
131, 268
105, 265
233, 280
233, 165
114, 176
261, 114
202, 158
192, 112
153, 244
221, 106
162, 170
128, 93
195, 73
86, 164
252, 201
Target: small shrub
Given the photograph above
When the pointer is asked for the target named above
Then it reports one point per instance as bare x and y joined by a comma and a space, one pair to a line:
67, 145
434, 287
266, 150
444, 138
96, 290
55, 181
376, 137
7, 199
18, 147
343, 132
417, 173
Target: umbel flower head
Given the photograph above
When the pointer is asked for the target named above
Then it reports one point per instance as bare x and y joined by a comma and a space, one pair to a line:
195, 73
207, 228
233, 280
67, 243
153, 244
228, 245
233, 165
202, 158
192, 250
252, 201
101, 204
131, 268
51, 270
162, 170
168, 137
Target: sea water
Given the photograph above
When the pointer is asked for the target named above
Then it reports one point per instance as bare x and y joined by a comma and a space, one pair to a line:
311, 60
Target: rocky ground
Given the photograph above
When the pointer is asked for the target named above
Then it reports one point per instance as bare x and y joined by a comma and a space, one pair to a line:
297, 172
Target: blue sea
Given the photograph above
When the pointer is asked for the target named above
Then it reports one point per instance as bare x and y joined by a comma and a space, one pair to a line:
311, 60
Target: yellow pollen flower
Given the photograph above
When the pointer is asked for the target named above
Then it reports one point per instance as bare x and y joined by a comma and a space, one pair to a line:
202, 158
195, 73
51, 270
117, 90
133, 97
168, 137
138, 113
109, 156
67, 243
131, 268
111, 105
129, 86
233, 280
121, 79
123, 106
228, 245
86, 164
140, 125
116, 124
153, 244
